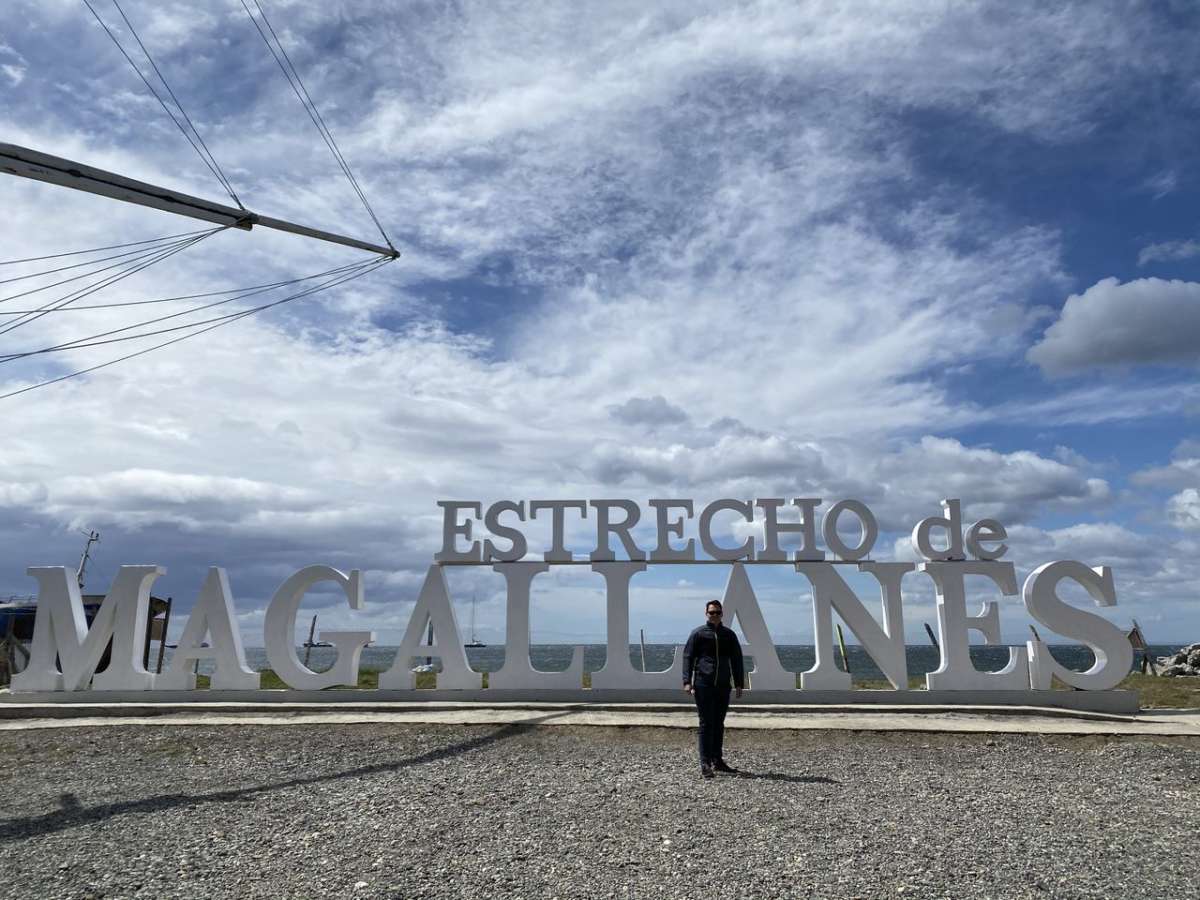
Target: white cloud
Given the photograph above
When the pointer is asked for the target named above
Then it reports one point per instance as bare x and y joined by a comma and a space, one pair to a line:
1098, 403
1012, 487
1113, 324
18, 494
1162, 183
1168, 251
1183, 510
166, 488
649, 411
1107, 541
1182, 471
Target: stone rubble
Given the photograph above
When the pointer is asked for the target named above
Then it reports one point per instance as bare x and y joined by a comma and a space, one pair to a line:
387, 811
1184, 662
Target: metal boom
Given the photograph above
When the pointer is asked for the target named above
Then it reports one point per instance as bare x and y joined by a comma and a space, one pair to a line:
39, 166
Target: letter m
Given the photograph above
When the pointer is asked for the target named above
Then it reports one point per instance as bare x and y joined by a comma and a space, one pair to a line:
61, 631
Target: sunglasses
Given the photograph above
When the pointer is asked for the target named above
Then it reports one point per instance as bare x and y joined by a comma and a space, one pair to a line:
714, 612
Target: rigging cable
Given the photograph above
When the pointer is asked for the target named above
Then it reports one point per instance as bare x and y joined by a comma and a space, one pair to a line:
124, 303
80, 265
302, 94
83, 343
142, 254
205, 154
364, 268
241, 294
157, 256
13, 262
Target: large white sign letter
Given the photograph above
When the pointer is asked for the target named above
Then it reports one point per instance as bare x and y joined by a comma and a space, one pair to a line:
60, 630
885, 645
518, 670
740, 602
433, 605
618, 671
956, 671
279, 631
1114, 653
212, 616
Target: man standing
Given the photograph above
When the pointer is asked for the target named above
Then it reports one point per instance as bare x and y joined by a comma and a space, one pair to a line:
712, 659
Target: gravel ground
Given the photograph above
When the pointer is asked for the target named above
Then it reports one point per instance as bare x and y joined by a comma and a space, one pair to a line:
519, 811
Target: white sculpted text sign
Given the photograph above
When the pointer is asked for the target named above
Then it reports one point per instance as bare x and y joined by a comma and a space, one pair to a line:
65, 651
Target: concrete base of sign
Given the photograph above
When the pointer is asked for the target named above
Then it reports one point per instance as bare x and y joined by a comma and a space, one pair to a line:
1119, 702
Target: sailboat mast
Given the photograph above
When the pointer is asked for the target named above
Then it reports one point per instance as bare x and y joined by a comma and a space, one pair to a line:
92, 537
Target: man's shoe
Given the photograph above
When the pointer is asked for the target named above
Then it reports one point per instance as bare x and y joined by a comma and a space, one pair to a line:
706, 771
721, 766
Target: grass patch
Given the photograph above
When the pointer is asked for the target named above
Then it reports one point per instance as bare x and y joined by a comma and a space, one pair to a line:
1164, 693
915, 683
368, 680
1155, 692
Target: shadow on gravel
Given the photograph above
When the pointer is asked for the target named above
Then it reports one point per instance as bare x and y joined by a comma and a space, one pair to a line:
73, 814
792, 779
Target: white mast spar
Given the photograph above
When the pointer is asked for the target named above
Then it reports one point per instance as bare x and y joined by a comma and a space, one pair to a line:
33, 164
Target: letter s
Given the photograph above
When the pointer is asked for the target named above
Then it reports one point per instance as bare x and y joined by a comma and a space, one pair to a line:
1114, 653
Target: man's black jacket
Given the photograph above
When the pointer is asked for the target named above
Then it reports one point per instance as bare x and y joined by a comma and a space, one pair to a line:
712, 657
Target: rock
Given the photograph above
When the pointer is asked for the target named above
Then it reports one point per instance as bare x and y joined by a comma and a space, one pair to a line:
1184, 662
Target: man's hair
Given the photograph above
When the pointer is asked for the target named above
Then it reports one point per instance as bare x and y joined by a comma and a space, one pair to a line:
716, 603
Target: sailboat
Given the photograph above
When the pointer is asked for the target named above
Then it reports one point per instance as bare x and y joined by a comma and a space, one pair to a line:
475, 641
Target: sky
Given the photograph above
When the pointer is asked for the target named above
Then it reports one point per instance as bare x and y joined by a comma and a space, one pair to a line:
894, 252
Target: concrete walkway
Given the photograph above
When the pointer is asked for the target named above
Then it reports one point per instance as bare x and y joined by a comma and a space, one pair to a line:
981, 720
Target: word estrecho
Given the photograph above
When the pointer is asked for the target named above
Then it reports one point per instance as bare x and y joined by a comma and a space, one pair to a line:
672, 516
65, 652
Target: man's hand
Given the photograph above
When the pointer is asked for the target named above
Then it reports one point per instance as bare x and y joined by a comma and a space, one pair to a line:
687, 688
737, 693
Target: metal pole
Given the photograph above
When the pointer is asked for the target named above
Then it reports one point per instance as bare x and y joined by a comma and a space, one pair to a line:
932, 639
842, 644
92, 537
149, 633
33, 164
642, 636
312, 629
162, 644
8, 659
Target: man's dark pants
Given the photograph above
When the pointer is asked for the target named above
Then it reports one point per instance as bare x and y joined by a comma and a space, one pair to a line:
711, 704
